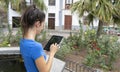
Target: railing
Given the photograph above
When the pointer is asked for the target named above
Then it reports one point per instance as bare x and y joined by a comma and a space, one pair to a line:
72, 66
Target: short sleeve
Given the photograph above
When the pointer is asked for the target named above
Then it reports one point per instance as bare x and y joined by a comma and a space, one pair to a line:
37, 51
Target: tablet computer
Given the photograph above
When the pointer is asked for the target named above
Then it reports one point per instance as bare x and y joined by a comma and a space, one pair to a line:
53, 39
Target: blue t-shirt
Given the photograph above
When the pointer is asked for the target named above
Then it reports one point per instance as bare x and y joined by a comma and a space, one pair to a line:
30, 51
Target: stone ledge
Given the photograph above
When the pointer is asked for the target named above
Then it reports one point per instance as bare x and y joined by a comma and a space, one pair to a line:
57, 65
9, 50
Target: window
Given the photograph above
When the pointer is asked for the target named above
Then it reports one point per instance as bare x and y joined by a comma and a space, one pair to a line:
52, 2
51, 15
68, 3
51, 21
15, 22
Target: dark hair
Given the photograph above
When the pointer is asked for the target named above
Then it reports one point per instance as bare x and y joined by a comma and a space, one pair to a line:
30, 16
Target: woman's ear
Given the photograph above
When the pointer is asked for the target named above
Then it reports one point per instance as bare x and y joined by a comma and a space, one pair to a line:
37, 24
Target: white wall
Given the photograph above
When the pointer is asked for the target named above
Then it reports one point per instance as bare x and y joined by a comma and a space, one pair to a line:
53, 9
12, 13
60, 12
65, 12
95, 22
46, 13
75, 18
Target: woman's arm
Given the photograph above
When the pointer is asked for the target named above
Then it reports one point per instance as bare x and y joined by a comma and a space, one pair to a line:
44, 66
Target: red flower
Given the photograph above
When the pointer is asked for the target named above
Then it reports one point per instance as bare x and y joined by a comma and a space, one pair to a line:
97, 48
75, 46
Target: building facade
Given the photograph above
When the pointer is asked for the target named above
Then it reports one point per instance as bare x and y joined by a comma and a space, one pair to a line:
58, 15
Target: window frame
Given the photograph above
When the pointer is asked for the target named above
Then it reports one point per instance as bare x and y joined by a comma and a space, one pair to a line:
68, 2
52, 4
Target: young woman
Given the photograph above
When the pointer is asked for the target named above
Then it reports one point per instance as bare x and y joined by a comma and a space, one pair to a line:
34, 57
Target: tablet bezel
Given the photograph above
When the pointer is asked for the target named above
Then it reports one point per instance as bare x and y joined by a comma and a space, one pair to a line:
48, 49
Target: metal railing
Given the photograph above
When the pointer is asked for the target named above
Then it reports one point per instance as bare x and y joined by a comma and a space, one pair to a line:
72, 66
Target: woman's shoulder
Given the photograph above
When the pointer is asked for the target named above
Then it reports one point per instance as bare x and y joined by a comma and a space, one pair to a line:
37, 45
30, 43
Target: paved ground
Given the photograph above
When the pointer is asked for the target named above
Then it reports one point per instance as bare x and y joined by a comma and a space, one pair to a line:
119, 39
65, 33
65, 70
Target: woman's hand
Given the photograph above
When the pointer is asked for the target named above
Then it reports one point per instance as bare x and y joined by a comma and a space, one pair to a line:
53, 49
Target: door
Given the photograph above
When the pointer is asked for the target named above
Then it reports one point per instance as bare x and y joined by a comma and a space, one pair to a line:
51, 21
68, 22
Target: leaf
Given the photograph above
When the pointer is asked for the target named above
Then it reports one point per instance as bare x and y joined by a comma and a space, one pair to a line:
40, 4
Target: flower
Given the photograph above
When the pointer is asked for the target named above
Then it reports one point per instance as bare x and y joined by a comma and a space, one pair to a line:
75, 46
85, 33
9, 45
97, 48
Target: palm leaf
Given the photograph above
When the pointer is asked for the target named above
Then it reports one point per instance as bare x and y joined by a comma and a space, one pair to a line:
16, 4
40, 4
4, 4
102, 9
90, 18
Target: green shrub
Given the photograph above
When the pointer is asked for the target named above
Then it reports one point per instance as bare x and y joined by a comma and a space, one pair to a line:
103, 52
42, 36
15, 39
65, 48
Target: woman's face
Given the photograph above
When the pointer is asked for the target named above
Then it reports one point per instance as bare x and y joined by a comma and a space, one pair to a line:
40, 27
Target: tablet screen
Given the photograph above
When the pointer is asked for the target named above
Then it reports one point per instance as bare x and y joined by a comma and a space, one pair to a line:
53, 39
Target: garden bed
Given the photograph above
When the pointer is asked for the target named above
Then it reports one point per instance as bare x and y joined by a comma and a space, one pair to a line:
79, 57
98, 53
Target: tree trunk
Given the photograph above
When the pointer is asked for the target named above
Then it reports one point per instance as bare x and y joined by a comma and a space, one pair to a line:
23, 6
99, 30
